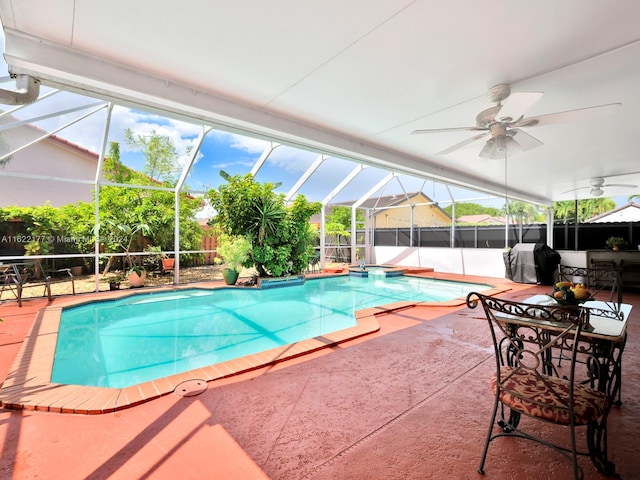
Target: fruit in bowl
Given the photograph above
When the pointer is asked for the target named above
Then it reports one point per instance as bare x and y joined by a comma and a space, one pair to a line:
569, 293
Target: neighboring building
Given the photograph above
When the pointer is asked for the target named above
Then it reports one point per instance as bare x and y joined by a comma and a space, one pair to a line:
481, 219
625, 213
394, 211
53, 157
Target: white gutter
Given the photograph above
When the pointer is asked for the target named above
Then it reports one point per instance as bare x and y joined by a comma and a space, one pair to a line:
27, 91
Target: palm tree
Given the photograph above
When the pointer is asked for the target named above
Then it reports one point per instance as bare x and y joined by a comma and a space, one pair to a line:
267, 213
521, 212
587, 208
565, 210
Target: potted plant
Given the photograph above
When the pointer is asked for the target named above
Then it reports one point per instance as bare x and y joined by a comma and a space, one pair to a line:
616, 243
234, 250
159, 258
76, 267
114, 282
136, 276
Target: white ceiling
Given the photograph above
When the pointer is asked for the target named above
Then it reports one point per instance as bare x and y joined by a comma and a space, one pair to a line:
355, 78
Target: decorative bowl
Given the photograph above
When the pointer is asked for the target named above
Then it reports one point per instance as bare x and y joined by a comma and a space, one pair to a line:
567, 297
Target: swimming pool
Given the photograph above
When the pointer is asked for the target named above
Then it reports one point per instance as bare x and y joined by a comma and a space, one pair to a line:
142, 337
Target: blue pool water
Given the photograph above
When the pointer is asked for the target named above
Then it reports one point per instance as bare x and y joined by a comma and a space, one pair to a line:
142, 337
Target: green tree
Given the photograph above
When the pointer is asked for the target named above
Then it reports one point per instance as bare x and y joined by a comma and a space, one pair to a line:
470, 208
159, 152
67, 229
565, 211
342, 215
522, 212
267, 212
281, 235
338, 228
148, 213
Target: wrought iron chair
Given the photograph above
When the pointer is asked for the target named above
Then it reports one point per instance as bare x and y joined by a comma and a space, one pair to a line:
527, 382
599, 279
314, 261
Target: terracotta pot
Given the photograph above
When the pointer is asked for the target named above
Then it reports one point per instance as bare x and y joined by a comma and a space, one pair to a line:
136, 280
168, 263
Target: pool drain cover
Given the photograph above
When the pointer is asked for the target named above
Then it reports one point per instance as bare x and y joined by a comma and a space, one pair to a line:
190, 388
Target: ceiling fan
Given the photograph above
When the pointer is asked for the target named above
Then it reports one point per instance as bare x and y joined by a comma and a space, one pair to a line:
502, 123
597, 184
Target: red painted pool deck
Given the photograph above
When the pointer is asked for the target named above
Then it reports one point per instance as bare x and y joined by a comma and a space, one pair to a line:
410, 401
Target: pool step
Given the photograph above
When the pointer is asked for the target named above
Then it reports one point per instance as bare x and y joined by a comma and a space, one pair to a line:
277, 282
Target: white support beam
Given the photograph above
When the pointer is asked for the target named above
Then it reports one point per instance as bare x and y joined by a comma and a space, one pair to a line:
375, 188
452, 232
323, 218
263, 158
305, 176
29, 121
103, 150
550, 220
353, 235
176, 209
343, 184
53, 132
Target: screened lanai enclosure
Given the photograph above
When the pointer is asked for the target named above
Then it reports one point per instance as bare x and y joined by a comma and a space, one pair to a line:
391, 119
56, 151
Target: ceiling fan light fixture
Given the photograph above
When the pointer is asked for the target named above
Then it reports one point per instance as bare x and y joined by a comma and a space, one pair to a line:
499, 146
596, 191
487, 151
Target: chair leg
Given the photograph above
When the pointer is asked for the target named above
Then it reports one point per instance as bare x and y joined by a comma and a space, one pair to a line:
488, 440
574, 455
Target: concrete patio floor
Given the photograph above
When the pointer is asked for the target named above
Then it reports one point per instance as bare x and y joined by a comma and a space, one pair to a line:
408, 402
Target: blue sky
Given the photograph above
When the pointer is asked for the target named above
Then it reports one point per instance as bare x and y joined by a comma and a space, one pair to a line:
233, 153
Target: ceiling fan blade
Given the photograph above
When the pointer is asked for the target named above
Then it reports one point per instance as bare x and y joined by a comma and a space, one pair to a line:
464, 143
526, 141
620, 185
516, 105
570, 115
452, 129
600, 186
576, 189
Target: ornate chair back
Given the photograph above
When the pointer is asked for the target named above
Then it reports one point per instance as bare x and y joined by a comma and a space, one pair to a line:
530, 380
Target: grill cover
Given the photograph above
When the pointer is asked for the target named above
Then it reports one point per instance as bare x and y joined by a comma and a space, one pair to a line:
531, 263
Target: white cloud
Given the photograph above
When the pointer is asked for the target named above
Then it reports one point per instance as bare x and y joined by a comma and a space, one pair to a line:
182, 134
240, 142
291, 160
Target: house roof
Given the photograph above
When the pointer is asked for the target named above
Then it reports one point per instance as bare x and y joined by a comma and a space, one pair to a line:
625, 213
481, 218
74, 146
386, 201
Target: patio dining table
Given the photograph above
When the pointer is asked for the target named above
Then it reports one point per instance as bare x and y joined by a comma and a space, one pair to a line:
603, 340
